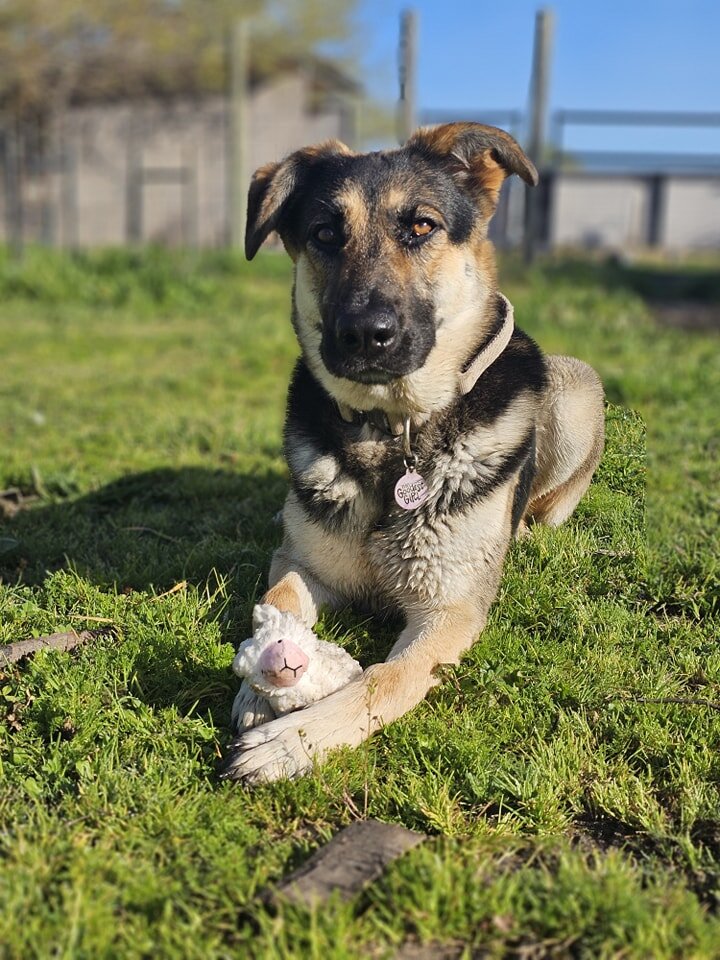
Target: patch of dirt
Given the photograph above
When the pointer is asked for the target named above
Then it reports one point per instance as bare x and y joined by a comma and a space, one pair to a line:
602, 833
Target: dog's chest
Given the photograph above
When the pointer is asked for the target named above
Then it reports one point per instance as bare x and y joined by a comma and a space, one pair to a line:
340, 490
349, 498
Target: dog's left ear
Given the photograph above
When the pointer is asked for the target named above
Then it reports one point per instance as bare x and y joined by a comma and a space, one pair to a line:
480, 157
270, 188
273, 187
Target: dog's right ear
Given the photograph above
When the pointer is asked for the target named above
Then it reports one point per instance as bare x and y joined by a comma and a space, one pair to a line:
273, 187
479, 157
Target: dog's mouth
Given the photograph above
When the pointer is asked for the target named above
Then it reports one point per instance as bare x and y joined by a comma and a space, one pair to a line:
369, 373
372, 376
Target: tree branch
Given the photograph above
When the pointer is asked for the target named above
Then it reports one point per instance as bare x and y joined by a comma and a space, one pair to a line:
12, 652
682, 701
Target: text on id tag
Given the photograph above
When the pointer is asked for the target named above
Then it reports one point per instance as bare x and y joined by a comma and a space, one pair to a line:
410, 490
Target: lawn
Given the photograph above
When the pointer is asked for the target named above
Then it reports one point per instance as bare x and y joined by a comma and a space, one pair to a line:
566, 772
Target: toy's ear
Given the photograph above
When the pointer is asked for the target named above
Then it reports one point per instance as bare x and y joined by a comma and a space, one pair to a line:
265, 613
273, 188
478, 156
245, 659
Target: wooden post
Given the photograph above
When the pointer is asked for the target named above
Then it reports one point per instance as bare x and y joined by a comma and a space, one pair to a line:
133, 182
238, 162
540, 83
189, 204
350, 109
539, 93
407, 114
69, 214
13, 190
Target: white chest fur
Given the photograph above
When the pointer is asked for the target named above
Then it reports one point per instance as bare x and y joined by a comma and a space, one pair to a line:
360, 543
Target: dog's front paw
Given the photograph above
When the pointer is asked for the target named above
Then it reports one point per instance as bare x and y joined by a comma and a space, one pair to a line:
273, 751
250, 709
287, 747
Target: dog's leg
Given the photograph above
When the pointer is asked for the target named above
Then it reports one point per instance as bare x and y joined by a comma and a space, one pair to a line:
571, 431
294, 590
287, 747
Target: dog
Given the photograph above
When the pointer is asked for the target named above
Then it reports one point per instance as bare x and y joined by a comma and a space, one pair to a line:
424, 429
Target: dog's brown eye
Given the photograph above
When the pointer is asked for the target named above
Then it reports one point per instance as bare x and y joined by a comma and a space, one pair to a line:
422, 228
325, 236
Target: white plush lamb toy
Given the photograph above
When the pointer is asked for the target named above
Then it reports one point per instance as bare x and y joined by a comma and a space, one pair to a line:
285, 667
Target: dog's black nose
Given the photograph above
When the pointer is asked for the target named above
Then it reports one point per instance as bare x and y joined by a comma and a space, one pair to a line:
368, 334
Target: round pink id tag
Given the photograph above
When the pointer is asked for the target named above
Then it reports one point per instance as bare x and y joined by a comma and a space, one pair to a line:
410, 491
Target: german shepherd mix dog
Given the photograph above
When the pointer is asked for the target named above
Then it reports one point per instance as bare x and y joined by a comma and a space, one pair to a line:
423, 429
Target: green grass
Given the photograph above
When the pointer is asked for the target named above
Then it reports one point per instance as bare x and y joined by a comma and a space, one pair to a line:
142, 399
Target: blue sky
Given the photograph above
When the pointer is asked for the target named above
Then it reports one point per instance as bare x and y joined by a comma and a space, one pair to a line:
636, 54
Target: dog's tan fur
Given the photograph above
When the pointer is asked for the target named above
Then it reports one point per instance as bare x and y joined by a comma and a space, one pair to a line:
441, 570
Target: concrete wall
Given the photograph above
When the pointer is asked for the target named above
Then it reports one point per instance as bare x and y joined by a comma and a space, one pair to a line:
692, 214
613, 212
92, 196
597, 213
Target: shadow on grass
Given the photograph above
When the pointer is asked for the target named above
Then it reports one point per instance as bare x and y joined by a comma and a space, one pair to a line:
686, 296
150, 530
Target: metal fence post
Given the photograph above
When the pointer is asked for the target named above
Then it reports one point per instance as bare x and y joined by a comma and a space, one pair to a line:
656, 210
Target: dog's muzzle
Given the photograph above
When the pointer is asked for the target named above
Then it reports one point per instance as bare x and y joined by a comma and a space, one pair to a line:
372, 340
364, 345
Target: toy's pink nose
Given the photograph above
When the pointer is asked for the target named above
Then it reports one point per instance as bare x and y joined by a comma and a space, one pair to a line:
283, 663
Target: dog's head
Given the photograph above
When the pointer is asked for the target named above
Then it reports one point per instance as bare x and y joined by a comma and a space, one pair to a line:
393, 268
